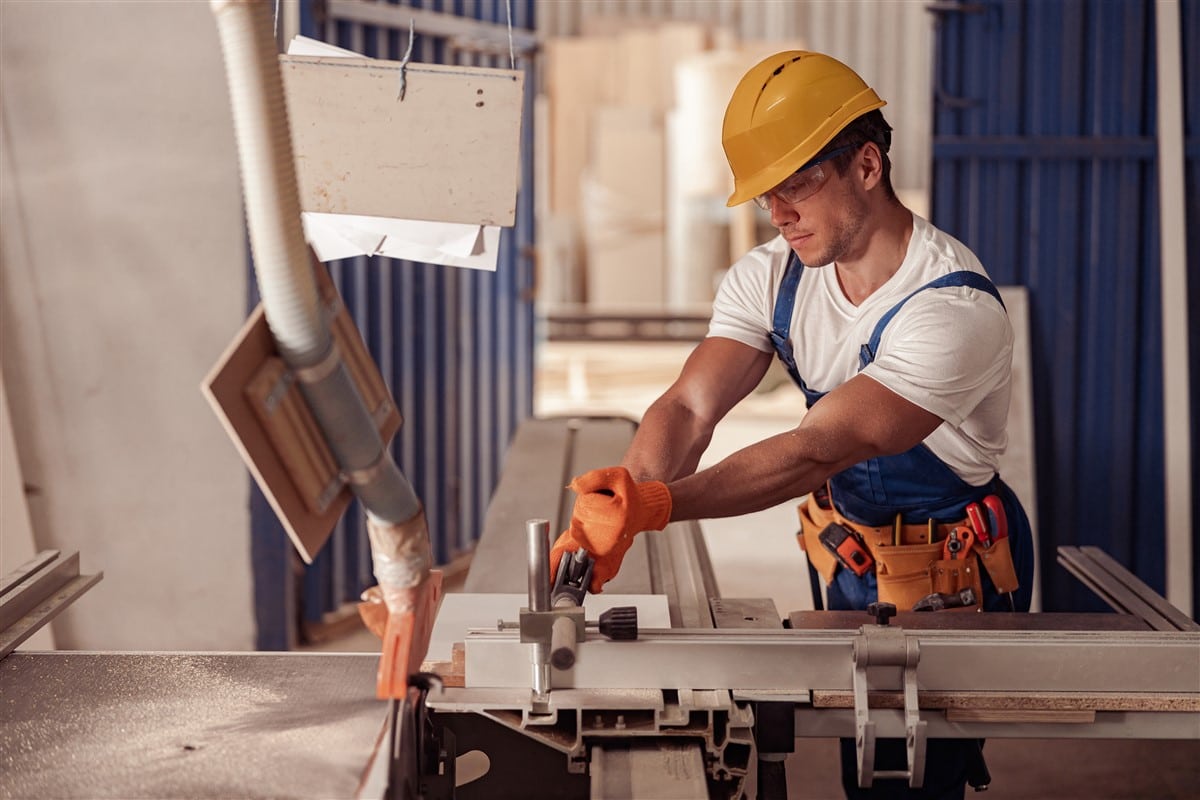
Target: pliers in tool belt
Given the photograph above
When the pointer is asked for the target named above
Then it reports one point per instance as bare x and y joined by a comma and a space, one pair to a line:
958, 543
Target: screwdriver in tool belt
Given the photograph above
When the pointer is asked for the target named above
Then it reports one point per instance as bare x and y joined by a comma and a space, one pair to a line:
975, 515
997, 520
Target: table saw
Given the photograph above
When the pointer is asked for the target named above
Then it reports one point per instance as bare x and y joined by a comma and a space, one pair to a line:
713, 690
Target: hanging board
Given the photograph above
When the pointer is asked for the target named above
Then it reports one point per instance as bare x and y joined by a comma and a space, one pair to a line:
259, 402
449, 151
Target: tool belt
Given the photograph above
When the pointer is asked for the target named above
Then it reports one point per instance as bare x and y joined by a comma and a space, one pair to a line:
908, 559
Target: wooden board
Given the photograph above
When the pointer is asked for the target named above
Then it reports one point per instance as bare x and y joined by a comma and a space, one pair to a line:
579, 77
955, 620
449, 151
623, 213
260, 405
964, 704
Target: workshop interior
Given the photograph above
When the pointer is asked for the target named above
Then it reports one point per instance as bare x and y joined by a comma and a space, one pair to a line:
311, 310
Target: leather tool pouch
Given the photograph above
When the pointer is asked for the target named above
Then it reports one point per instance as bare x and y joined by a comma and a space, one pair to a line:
904, 572
821, 559
907, 572
998, 562
950, 576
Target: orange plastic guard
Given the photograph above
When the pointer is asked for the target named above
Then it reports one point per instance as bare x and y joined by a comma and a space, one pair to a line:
406, 640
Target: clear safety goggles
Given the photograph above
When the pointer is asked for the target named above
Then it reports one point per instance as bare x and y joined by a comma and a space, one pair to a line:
803, 183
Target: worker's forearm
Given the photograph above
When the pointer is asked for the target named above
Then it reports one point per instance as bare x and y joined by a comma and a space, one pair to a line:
668, 443
763, 475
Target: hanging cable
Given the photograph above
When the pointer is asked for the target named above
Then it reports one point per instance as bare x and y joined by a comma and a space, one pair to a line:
512, 58
404, 61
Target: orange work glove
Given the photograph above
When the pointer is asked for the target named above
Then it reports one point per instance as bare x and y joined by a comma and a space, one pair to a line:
611, 508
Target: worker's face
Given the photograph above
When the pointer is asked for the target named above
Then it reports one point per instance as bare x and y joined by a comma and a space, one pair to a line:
827, 225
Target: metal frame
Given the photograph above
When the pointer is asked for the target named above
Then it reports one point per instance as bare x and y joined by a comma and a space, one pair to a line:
792, 661
37, 592
465, 33
642, 690
1122, 590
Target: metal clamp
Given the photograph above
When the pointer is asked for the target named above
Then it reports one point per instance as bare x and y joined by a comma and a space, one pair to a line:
884, 646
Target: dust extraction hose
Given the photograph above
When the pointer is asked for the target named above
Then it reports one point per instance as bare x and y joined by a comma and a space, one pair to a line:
283, 265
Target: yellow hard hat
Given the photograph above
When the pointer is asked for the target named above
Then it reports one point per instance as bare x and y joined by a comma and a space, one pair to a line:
783, 111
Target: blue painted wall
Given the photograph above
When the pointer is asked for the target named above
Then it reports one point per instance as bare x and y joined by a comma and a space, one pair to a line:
454, 345
1045, 164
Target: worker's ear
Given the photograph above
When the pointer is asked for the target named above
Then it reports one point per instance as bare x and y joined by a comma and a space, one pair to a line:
868, 166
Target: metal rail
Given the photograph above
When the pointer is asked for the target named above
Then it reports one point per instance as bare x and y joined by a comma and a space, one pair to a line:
465, 33
37, 592
804, 660
1122, 590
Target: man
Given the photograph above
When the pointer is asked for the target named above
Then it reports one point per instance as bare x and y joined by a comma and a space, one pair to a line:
903, 351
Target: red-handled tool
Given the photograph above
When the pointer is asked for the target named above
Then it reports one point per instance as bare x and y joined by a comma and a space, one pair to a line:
997, 520
975, 515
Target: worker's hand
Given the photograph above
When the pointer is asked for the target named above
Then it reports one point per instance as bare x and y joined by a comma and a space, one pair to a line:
611, 508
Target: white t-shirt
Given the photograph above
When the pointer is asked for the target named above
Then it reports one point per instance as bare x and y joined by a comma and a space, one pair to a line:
947, 350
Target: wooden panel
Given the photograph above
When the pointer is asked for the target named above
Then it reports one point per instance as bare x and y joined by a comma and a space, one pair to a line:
578, 77
292, 431
910, 620
449, 151
1023, 702
623, 210
1080, 716
277, 436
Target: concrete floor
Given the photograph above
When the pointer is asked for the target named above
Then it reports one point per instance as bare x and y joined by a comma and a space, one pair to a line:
757, 556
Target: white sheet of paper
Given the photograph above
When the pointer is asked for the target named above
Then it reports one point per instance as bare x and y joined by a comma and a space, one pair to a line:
453, 244
337, 236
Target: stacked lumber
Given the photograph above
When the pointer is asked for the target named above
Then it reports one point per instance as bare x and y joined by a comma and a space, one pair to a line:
632, 193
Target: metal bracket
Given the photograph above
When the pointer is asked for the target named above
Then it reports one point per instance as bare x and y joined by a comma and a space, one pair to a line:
884, 646
36, 592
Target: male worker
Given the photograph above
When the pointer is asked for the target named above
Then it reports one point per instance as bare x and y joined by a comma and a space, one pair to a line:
902, 349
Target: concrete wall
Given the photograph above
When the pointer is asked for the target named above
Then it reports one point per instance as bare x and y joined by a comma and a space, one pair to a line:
122, 266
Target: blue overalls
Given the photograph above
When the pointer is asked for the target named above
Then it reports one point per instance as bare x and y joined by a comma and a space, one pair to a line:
919, 486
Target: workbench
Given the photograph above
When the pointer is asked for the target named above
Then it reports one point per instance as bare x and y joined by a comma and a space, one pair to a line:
187, 725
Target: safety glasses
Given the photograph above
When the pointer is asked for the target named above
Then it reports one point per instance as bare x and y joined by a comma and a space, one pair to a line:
803, 183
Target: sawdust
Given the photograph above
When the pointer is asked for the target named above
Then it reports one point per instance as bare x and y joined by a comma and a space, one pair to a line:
196, 726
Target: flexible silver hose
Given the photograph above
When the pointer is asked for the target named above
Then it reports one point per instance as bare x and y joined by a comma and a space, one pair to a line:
283, 268
281, 259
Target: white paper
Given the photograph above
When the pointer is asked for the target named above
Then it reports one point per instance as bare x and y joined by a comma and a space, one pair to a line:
454, 244
337, 236
304, 46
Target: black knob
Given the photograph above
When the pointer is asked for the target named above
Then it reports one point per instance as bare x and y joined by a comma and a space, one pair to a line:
620, 623
882, 612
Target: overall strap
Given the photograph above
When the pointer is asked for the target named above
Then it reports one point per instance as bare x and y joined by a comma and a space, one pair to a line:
781, 324
974, 280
